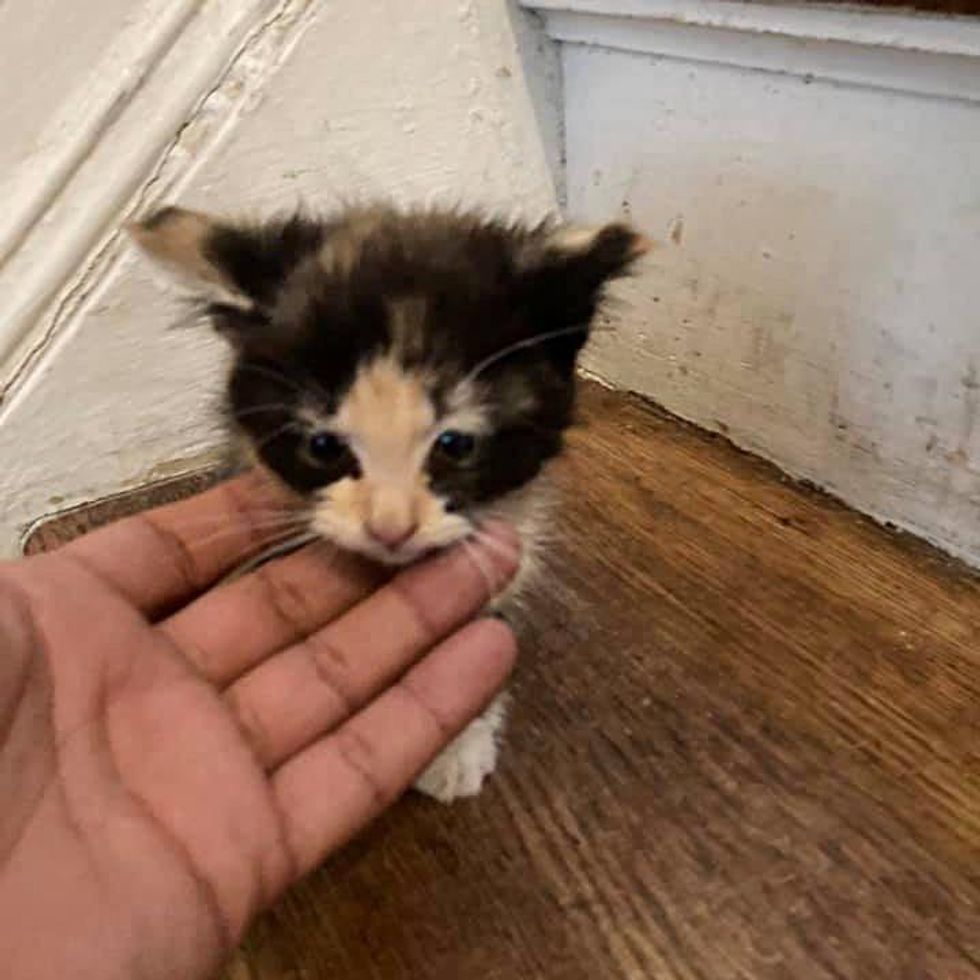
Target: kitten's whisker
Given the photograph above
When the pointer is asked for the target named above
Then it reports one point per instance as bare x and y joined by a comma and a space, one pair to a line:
276, 433
267, 372
218, 536
540, 338
498, 547
300, 387
257, 522
282, 527
481, 566
272, 510
269, 407
277, 549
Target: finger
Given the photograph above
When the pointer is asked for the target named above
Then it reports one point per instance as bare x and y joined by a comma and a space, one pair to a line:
227, 631
332, 789
164, 556
295, 697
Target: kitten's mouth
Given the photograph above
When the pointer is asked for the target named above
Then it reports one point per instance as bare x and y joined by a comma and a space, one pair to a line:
407, 554
397, 556
424, 541
401, 556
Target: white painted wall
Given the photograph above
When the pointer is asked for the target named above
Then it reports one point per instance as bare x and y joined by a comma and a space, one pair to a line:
27, 35
235, 104
818, 296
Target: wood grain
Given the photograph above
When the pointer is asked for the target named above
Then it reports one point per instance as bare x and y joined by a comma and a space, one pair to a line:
744, 744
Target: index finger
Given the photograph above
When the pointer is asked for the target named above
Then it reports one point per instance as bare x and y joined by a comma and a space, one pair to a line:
294, 697
338, 784
162, 557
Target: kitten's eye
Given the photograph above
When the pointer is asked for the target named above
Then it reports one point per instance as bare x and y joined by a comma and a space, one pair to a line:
325, 447
456, 446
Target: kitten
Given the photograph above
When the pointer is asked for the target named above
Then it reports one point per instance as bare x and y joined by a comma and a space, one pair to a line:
409, 373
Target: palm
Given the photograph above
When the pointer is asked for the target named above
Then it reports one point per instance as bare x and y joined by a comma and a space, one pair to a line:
168, 764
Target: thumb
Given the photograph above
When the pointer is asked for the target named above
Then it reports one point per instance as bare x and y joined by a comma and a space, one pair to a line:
27, 751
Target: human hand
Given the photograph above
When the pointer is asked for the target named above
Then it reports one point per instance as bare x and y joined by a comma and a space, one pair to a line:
173, 756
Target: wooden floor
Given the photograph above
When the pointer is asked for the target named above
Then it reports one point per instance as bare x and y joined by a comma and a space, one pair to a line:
744, 744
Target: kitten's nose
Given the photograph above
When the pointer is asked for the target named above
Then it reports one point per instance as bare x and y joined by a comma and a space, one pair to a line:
391, 533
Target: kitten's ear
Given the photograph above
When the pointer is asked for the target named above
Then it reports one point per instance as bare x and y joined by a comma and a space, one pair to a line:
564, 272
232, 265
597, 254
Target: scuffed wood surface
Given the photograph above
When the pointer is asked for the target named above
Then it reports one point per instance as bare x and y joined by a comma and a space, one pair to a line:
63, 527
743, 745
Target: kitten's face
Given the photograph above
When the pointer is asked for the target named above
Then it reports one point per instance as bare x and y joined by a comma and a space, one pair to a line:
403, 372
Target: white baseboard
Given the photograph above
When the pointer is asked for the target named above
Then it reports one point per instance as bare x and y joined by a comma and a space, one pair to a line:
925, 55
